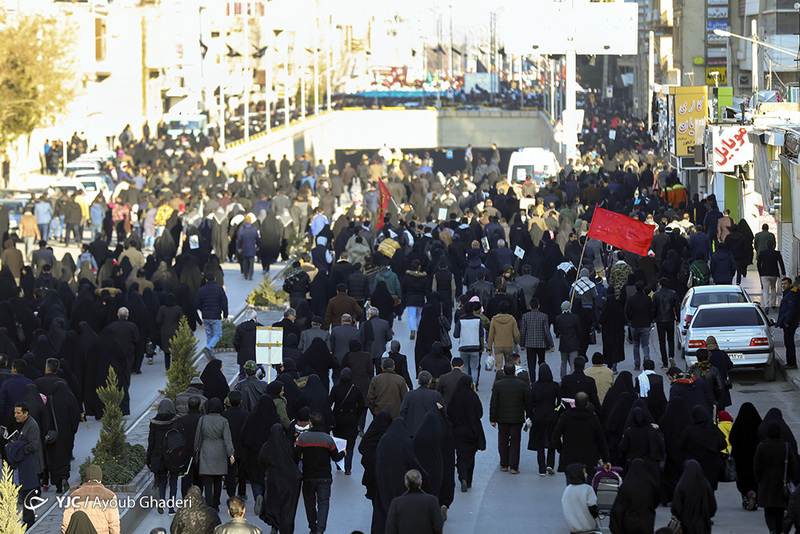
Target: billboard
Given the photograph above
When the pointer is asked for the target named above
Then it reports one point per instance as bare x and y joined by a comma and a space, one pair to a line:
690, 104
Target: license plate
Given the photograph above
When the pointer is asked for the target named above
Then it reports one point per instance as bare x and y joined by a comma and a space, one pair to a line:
735, 355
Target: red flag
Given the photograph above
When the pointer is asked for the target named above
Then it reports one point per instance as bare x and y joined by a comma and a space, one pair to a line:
621, 231
384, 203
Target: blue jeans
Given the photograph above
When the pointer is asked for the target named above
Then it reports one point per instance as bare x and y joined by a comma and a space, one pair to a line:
472, 364
317, 500
641, 338
414, 315
213, 328
162, 485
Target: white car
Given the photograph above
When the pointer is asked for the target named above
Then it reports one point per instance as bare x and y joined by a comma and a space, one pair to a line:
697, 296
91, 185
742, 330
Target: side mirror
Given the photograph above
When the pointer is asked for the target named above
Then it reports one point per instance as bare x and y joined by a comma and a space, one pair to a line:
771, 322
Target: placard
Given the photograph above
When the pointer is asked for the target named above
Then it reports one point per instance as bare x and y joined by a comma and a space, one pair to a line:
519, 252
442, 214
269, 345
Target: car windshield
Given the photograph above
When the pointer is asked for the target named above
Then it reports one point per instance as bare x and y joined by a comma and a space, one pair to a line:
727, 318
14, 208
728, 297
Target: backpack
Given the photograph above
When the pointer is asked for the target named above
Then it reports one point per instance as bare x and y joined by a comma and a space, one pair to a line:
176, 450
684, 272
291, 280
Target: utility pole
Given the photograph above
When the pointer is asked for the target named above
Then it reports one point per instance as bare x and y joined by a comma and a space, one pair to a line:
450, 55
328, 60
756, 69
248, 76
286, 83
651, 78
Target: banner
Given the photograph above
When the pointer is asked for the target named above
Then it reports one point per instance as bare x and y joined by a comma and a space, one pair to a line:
621, 232
385, 196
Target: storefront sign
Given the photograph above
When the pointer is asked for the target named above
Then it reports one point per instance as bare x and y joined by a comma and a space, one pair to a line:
690, 103
731, 147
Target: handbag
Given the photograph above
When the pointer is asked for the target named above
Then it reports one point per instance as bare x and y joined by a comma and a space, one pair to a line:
592, 337
52, 435
788, 485
444, 331
728, 469
675, 525
20, 332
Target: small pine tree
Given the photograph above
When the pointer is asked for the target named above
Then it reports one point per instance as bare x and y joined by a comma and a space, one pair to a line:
112, 432
10, 516
182, 347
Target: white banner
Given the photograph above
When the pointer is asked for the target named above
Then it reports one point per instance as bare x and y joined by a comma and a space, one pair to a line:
731, 147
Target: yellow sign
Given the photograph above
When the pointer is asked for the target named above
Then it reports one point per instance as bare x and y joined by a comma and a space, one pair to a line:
689, 105
722, 77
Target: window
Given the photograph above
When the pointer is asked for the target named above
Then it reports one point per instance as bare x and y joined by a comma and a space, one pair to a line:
99, 39
717, 298
787, 24
728, 318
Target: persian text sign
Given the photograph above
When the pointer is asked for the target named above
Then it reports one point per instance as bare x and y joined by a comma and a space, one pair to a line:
731, 147
690, 104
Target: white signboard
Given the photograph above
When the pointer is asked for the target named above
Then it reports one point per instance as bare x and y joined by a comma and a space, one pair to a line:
519, 252
269, 345
718, 12
442, 214
731, 147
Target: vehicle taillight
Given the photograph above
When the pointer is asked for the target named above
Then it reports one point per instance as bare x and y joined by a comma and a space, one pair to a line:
697, 344
759, 342
687, 319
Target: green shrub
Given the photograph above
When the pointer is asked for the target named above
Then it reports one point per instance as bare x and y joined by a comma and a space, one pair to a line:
182, 347
267, 293
10, 515
118, 470
228, 331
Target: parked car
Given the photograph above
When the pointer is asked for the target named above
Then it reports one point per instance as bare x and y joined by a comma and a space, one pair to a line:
15, 207
90, 184
697, 296
742, 330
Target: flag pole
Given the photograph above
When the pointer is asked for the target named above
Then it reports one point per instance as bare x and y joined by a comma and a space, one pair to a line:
580, 262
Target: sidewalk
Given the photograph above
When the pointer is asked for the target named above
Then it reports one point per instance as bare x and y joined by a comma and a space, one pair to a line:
752, 284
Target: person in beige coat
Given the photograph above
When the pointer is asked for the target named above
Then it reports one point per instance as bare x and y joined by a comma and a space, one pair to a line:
29, 232
602, 374
91, 498
503, 334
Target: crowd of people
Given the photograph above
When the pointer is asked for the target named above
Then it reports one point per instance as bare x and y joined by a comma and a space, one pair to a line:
489, 288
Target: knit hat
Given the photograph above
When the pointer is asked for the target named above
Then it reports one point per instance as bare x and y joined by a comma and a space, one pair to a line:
711, 343
250, 365
93, 472
566, 306
197, 382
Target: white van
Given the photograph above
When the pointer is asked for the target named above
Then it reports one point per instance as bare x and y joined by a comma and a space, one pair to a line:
538, 163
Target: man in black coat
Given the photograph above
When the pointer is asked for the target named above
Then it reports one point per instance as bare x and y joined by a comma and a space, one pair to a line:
666, 304
507, 411
250, 387
287, 323
418, 402
577, 382
47, 384
694, 390
579, 437
236, 481
640, 312
187, 425
128, 336
415, 510
244, 340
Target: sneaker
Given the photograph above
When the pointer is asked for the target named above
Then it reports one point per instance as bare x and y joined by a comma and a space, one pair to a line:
636, 368
348, 473
444, 512
503, 469
207, 353
542, 474
172, 511
149, 361
515, 471
550, 471
259, 504
664, 367
64, 486
413, 335
464, 487
672, 362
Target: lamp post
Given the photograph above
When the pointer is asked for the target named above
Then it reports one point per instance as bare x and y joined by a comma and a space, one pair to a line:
756, 42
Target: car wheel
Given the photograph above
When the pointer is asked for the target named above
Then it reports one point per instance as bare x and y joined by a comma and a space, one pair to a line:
769, 371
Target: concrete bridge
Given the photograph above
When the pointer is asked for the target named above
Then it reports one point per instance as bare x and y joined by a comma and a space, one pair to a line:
407, 129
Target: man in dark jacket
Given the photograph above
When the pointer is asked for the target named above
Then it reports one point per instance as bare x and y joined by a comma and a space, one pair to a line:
447, 382
250, 387
212, 302
770, 267
693, 390
287, 323
415, 510
358, 285
244, 340
789, 318
569, 329
72, 220
29, 432
236, 481
666, 306
47, 384
578, 382
400, 362
579, 437
723, 265
195, 389
12, 390
247, 247
640, 312
296, 284
339, 305
418, 402
483, 289
127, 334
508, 408
712, 377
374, 334
340, 340
187, 425
316, 449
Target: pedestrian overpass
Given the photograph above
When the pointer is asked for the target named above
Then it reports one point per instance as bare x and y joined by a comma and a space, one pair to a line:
365, 129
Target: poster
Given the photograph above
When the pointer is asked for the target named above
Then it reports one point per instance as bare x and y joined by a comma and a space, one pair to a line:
690, 104
731, 146
269, 345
